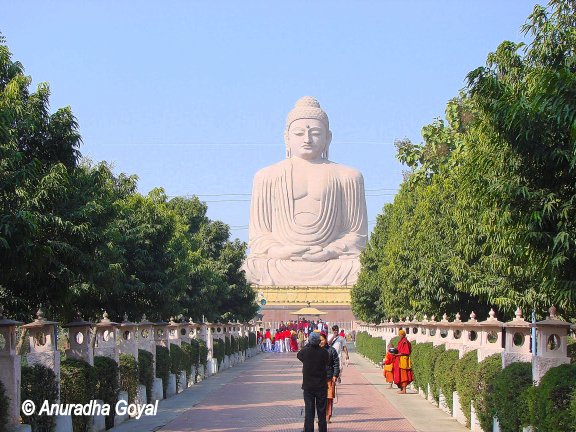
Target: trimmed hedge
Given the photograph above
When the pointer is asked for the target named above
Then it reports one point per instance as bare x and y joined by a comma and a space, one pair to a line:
488, 369
573, 410
195, 357
227, 346
107, 384
571, 349
146, 372
243, 343
177, 363
444, 376
373, 348
202, 352
195, 352
219, 350
188, 361
466, 372
419, 366
129, 376
553, 400
424, 357
163, 366
38, 383
507, 401
77, 386
4, 405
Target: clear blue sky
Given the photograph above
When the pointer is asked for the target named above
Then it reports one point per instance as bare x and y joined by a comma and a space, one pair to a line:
192, 96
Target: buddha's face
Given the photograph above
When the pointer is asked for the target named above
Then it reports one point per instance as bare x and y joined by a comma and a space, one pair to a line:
308, 138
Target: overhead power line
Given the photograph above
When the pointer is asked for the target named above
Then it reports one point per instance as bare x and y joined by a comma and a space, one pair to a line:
232, 144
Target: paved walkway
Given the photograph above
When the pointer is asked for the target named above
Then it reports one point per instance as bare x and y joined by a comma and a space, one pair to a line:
263, 395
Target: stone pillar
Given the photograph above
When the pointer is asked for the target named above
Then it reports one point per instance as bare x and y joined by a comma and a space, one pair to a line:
43, 340
442, 332
161, 334
106, 337
551, 345
10, 366
193, 330
432, 331
470, 335
79, 340
174, 332
491, 341
207, 334
517, 341
423, 333
128, 338
455, 332
146, 337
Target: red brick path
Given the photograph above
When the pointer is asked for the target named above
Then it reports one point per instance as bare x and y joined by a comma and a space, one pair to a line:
267, 397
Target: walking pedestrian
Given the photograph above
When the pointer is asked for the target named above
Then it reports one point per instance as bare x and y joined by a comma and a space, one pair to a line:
332, 373
314, 362
339, 344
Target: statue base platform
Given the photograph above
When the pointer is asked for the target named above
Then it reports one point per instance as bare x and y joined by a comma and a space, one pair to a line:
283, 301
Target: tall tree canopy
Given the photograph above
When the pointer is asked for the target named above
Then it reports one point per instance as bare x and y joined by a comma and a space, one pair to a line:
486, 215
76, 237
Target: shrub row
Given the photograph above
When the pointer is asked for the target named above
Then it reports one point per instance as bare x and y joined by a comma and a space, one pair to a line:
507, 394
163, 366
178, 363
78, 381
219, 350
373, 348
203, 352
4, 404
146, 372
228, 345
38, 384
81, 382
107, 384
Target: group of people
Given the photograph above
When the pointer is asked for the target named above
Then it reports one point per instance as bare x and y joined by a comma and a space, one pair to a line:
323, 359
290, 336
322, 362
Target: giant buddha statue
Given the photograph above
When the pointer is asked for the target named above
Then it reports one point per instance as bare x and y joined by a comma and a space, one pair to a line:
308, 220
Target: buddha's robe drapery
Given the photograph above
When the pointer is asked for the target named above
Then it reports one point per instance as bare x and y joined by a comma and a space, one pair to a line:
341, 223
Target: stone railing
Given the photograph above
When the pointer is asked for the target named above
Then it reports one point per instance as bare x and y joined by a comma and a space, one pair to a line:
512, 340
86, 340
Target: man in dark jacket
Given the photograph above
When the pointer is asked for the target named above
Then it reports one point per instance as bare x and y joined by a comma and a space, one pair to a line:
314, 362
332, 374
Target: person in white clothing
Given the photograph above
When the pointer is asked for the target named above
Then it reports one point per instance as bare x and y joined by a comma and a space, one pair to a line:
339, 344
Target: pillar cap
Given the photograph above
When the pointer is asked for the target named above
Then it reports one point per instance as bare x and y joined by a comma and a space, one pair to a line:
552, 320
40, 321
78, 322
5, 322
105, 321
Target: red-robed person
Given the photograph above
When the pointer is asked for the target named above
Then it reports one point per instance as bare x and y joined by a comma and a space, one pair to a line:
293, 341
402, 364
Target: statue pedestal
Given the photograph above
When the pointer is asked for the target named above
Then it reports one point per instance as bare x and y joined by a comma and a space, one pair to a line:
281, 301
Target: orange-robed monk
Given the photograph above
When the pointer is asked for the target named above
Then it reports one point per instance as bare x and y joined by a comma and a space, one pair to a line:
402, 364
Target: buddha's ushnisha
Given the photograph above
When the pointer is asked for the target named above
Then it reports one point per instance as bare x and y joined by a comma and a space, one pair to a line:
308, 220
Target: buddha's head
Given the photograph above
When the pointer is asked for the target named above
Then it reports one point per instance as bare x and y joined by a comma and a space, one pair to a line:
307, 134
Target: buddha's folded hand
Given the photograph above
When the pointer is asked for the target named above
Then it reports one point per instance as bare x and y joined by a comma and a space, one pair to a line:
287, 252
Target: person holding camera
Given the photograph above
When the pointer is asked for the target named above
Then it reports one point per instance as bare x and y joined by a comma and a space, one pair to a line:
314, 360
